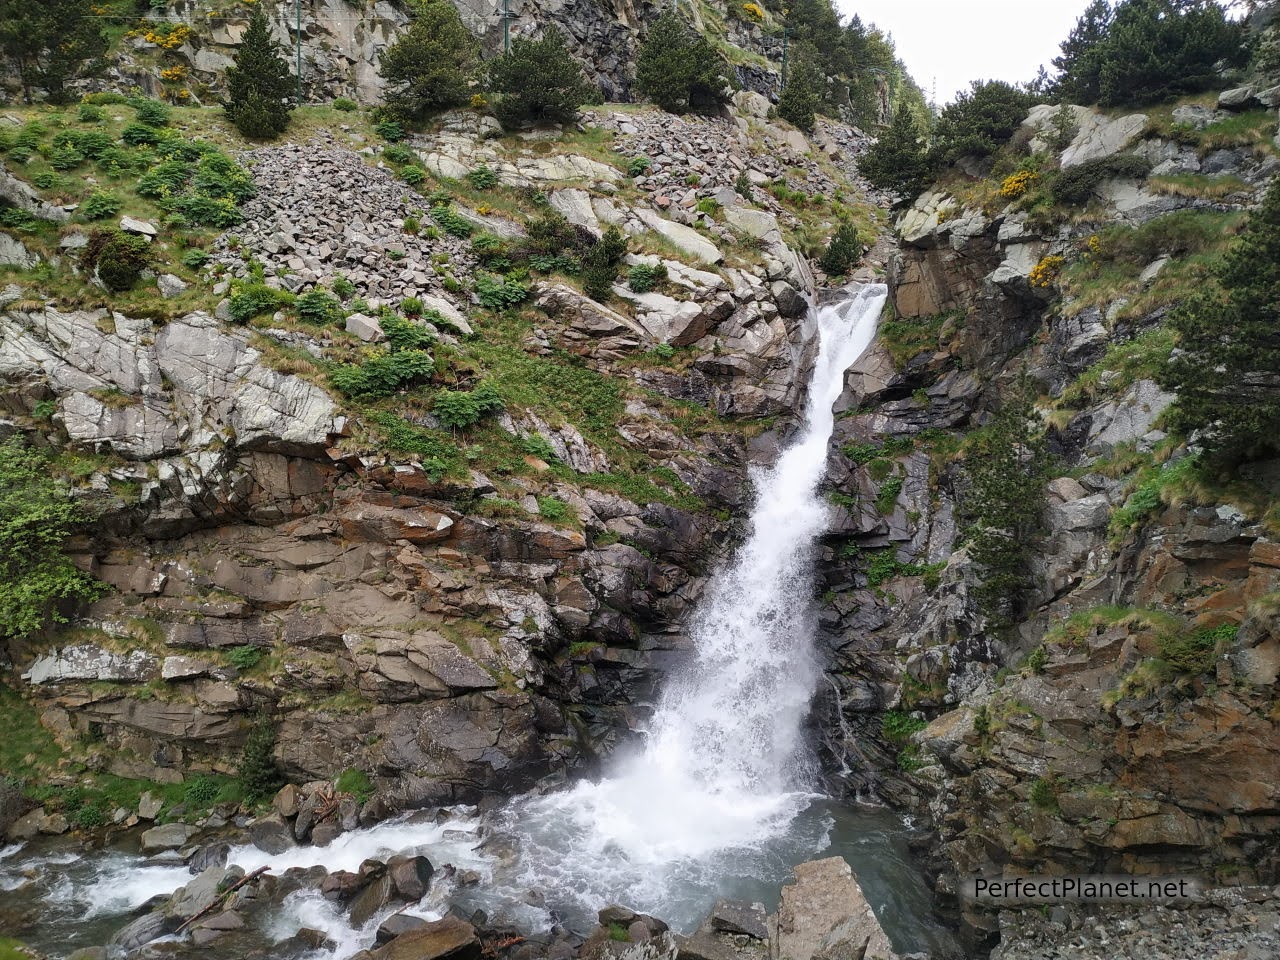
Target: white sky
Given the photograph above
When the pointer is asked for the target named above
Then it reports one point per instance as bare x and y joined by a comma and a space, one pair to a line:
956, 41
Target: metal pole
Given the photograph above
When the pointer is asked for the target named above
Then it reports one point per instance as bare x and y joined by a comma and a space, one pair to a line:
506, 26
297, 42
784, 54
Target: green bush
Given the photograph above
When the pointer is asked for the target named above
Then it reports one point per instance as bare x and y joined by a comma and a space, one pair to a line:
500, 293
539, 82
89, 113
460, 409
217, 175
92, 143
979, 120
453, 222
194, 259
164, 179
642, 277
898, 726
201, 792
258, 773
382, 375
64, 158
118, 258
1075, 185
244, 657
552, 510
801, 94
99, 206
151, 112
89, 817
345, 104
397, 153
536, 445
318, 308
843, 252
139, 134
37, 517
389, 130
355, 783
343, 287
1194, 652
403, 334
413, 175
260, 84
254, 299
600, 264
678, 69
638, 166
482, 178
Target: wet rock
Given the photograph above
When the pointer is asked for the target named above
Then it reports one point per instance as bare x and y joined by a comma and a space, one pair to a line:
271, 834
371, 900
167, 836
397, 924
446, 939
824, 913
411, 876
150, 926
732, 916
200, 893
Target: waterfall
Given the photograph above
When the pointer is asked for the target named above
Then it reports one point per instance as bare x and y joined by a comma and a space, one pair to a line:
723, 772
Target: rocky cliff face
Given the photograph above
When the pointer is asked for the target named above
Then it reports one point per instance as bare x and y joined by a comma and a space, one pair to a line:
1127, 723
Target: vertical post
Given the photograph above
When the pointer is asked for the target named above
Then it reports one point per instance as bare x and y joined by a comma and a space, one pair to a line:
297, 43
506, 26
784, 54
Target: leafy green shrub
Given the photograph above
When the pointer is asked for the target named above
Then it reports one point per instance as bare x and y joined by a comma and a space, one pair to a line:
887, 498
460, 409
397, 153
118, 258
345, 104
403, 334
898, 726
99, 205
500, 293
1076, 184
552, 510
90, 113
201, 792
453, 222
151, 112
164, 179
389, 130
343, 287
92, 143
89, 817
979, 120
319, 308
217, 175
413, 175
678, 69
843, 252
536, 445
1194, 652
638, 166
382, 375
482, 178
64, 158
244, 657
254, 299
539, 82
138, 134
194, 259
37, 517
642, 277
1044, 793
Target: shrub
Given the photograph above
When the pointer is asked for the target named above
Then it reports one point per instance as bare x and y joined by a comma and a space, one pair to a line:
118, 258
843, 252
254, 299
539, 82
92, 143
482, 178
678, 69
397, 153
89, 113
413, 175
499, 293
151, 112
459, 410
600, 264
403, 334
453, 222
345, 104
898, 726
244, 657
201, 792
355, 783
536, 445
37, 517
1194, 652
139, 134
1018, 183
194, 259
64, 158
89, 817
428, 65
389, 130
382, 375
343, 287
553, 510
898, 161
642, 277
99, 205
319, 308
1044, 273
801, 94
1075, 185
259, 83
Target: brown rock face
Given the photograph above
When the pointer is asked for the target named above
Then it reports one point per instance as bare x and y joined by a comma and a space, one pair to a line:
825, 914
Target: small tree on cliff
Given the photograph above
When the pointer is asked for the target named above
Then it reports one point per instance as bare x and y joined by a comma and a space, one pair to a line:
539, 82
1227, 369
50, 42
259, 84
897, 161
429, 64
802, 93
678, 69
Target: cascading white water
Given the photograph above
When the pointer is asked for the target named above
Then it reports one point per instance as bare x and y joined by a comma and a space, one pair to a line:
722, 772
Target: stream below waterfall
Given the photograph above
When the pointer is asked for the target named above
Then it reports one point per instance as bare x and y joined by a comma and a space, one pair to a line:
719, 799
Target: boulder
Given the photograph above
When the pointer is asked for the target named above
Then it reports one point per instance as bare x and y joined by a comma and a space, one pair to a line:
736, 917
170, 286
371, 900
448, 939
1237, 98
411, 876
396, 925
825, 914
365, 327
1101, 136
89, 662
686, 238
141, 227
201, 892
271, 834
754, 223
167, 836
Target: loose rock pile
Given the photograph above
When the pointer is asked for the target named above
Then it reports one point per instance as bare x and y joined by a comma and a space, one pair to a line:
321, 211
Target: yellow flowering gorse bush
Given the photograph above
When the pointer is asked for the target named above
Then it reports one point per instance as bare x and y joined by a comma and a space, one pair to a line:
1016, 184
1044, 273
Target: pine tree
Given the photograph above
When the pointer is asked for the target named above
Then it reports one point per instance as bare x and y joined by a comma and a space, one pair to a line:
1079, 64
1226, 371
979, 120
802, 93
539, 82
897, 161
259, 85
678, 69
429, 64
50, 42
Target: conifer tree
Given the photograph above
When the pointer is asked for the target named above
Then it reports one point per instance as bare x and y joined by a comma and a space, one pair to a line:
897, 160
802, 93
50, 42
539, 82
429, 64
259, 85
1226, 371
1079, 65
678, 69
